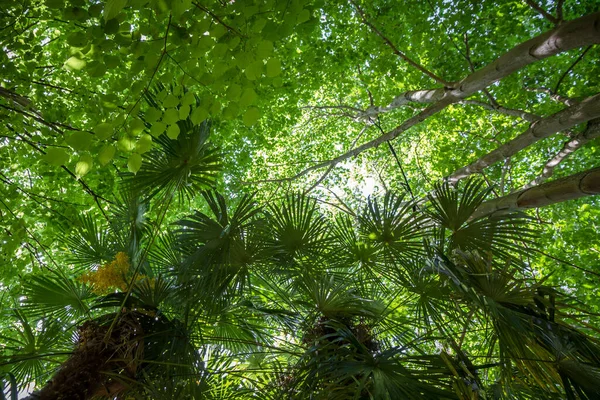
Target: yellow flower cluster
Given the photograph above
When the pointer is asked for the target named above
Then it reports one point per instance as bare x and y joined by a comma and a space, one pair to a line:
112, 275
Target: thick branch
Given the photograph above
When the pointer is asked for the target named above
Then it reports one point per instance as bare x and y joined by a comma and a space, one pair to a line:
585, 183
576, 33
565, 119
590, 133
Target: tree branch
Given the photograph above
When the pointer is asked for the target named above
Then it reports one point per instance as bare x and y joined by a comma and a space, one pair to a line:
571, 68
562, 120
576, 33
543, 12
398, 52
554, 96
583, 184
591, 132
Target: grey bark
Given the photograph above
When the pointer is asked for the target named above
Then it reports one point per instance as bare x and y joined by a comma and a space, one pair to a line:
579, 32
590, 133
565, 119
585, 183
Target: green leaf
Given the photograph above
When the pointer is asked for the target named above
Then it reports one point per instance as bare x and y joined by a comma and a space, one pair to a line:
198, 115
103, 131
84, 165
152, 115
188, 99
179, 7
264, 49
251, 116
173, 131
171, 116
254, 70
111, 27
136, 126
171, 101
143, 144
79, 140
157, 129
134, 163
113, 8
74, 64
56, 156
77, 39
248, 98
126, 143
273, 67
184, 111
303, 16
106, 154
234, 92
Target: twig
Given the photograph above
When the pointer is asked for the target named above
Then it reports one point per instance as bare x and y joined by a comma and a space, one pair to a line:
571, 67
553, 95
216, 17
591, 132
543, 12
559, 10
398, 52
162, 56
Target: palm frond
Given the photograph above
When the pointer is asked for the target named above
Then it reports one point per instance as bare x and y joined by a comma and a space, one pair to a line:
56, 295
501, 234
180, 166
90, 244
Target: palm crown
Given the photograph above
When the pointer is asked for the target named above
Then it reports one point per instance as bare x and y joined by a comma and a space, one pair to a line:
286, 299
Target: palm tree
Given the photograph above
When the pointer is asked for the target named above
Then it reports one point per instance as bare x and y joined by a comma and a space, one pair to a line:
285, 299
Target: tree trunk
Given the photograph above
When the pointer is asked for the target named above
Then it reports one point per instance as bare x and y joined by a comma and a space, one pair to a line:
585, 183
565, 119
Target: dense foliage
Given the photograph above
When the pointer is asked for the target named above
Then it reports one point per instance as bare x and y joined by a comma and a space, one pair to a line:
245, 199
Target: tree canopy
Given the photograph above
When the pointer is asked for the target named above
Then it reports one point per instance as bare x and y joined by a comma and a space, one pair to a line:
299, 199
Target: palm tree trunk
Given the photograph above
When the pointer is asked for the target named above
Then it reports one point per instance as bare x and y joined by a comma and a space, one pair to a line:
585, 183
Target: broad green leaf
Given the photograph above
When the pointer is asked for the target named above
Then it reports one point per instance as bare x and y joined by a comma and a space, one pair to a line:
77, 39
136, 126
170, 101
84, 165
157, 129
234, 92
303, 16
251, 116
106, 154
170, 116
264, 49
74, 64
198, 115
79, 140
56, 156
143, 144
134, 163
273, 67
184, 111
173, 131
188, 99
254, 70
248, 98
152, 115
126, 143
180, 6
103, 131
113, 8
